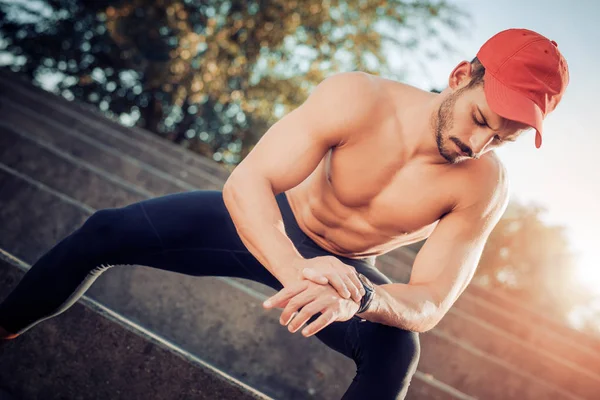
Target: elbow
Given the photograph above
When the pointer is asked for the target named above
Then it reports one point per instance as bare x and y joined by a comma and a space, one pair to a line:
428, 320
232, 185
425, 327
243, 178
420, 327
230, 192
242, 185
227, 190
230, 182
429, 323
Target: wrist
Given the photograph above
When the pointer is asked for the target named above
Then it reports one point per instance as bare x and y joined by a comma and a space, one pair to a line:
367, 299
292, 273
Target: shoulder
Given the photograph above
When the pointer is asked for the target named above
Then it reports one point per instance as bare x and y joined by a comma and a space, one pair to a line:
486, 186
354, 91
367, 88
350, 102
351, 80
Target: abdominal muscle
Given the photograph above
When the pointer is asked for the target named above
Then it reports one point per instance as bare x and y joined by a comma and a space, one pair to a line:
342, 230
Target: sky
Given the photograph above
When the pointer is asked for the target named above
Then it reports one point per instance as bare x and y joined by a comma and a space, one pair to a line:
564, 174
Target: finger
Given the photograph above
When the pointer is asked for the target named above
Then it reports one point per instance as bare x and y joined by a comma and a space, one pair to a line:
288, 320
314, 276
304, 315
357, 283
322, 322
295, 305
280, 299
336, 281
285, 294
352, 287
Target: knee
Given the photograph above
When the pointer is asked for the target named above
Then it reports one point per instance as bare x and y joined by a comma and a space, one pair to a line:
389, 362
103, 222
394, 351
103, 230
403, 349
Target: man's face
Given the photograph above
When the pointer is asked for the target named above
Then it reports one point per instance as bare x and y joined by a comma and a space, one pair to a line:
465, 126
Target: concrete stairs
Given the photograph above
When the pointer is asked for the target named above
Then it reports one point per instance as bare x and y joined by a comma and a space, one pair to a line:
94, 353
68, 159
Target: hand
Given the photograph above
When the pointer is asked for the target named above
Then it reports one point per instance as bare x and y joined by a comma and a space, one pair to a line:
328, 269
303, 299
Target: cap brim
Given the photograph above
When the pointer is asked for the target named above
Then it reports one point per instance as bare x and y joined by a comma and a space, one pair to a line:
512, 105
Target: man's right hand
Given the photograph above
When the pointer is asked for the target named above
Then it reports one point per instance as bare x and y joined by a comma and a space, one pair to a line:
329, 270
303, 299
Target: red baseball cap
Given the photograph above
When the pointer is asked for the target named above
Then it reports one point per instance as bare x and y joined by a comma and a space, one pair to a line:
525, 76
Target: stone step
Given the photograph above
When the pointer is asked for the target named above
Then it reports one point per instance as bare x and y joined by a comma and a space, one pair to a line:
78, 114
137, 293
15, 114
174, 306
86, 145
572, 345
382, 269
480, 306
536, 318
80, 170
529, 317
91, 352
24, 147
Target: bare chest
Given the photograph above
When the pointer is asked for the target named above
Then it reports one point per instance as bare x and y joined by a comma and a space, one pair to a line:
372, 185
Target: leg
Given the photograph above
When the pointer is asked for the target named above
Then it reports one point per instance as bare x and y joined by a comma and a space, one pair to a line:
386, 358
190, 233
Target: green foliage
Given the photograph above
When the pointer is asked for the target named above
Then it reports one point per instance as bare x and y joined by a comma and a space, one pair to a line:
214, 75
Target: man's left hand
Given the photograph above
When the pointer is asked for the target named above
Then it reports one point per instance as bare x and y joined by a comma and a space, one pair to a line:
307, 298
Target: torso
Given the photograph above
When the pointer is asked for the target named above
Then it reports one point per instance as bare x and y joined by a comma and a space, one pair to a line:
365, 199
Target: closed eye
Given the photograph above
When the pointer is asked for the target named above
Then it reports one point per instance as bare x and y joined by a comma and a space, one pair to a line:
497, 138
477, 122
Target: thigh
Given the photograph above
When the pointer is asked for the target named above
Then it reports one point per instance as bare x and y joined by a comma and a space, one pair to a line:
386, 357
196, 219
338, 336
188, 232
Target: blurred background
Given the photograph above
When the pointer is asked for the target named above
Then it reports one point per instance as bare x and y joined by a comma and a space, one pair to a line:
212, 76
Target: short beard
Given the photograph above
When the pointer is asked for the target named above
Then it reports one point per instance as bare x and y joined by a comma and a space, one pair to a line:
444, 123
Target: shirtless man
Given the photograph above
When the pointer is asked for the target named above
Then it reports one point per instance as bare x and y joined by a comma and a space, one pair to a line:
364, 166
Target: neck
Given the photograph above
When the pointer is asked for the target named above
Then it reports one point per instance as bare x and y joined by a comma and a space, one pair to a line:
420, 130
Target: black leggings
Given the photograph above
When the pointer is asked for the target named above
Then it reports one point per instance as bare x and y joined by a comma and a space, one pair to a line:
177, 231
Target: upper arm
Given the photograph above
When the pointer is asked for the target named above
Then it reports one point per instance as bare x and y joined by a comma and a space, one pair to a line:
292, 148
447, 261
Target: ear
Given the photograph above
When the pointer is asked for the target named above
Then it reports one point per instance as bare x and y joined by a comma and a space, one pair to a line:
460, 75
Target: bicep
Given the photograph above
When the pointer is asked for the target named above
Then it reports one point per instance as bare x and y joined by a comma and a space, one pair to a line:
293, 147
447, 261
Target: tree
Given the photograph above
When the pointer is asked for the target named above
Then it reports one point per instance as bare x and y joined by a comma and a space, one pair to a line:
532, 261
214, 75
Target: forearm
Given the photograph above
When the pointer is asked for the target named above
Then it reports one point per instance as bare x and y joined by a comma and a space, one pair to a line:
259, 224
408, 307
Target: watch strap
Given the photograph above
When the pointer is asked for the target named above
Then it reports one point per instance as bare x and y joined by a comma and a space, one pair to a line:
367, 298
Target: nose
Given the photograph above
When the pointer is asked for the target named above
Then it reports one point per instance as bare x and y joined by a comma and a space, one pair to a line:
480, 140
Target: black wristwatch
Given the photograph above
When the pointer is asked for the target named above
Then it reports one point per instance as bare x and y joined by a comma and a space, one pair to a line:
367, 298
